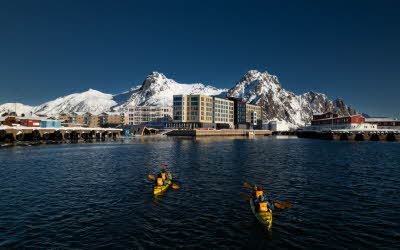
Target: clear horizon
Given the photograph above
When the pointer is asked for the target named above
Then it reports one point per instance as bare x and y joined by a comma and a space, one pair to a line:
344, 50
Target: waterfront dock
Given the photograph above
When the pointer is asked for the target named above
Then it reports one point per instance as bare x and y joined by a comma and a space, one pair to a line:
352, 135
10, 134
222, 132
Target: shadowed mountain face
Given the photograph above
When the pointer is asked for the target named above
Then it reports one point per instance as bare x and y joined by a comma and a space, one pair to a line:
157, 90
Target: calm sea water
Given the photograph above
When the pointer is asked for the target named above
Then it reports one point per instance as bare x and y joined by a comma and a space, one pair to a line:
344, 194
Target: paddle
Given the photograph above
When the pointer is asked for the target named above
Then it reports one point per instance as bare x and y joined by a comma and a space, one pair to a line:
174, 186
246, 196
282, 205
151, 176
247, 186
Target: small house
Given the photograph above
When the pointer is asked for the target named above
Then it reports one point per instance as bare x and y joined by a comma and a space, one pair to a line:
50, 124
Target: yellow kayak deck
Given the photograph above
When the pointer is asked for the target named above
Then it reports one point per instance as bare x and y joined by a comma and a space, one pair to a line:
264, 217
159, 190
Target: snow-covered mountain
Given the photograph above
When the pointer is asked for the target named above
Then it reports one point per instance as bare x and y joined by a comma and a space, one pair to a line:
88, 101
157, 90
20, 108
279, 104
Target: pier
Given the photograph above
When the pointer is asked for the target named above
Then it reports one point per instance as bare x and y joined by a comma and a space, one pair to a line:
348, 135
222, 132
10, 134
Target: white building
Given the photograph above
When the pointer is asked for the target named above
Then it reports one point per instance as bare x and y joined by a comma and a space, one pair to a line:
278, 126
384, 122
138, 115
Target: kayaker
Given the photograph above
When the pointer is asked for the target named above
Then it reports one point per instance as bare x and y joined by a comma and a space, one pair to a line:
261, 202
262, 205
259, 192
164, 174
160, 181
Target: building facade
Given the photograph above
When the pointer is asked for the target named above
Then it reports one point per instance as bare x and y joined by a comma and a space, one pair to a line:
50, 124
30, 122
384, 122
278, 126
111, 119
331, 121
253, 115
246, 116
138, 115
77, 118
202, 111
223, 113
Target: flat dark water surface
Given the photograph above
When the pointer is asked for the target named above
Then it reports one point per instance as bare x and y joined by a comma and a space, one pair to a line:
344, 194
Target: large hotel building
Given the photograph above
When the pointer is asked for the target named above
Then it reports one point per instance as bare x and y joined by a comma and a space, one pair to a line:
201, 111
139, 115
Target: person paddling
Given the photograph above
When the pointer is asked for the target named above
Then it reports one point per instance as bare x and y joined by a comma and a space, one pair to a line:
160, 180
164, 173
261, 202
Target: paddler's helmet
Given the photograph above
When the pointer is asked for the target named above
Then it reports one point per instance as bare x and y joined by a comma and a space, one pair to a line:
159, 176
259, 188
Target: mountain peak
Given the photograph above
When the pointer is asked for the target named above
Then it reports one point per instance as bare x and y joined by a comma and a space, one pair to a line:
252, 72
156, 75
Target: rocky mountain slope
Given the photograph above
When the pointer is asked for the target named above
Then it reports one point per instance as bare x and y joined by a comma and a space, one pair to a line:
279, 104
157, 90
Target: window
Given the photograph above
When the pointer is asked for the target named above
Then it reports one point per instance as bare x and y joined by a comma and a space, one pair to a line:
177, 98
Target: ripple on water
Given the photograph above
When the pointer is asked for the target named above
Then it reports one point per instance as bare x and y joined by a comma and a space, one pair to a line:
345, 195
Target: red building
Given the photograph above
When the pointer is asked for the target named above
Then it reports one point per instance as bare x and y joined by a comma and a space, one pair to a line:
330, 118
30, 122
331, 121
327, 115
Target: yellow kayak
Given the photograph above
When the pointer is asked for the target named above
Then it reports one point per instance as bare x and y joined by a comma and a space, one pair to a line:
159, 190
264, 217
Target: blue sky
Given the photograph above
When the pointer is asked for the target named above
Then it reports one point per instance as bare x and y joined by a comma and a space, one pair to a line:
347, 49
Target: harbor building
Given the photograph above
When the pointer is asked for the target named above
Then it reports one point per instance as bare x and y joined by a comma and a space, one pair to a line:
81, 119
223, 113
140, 115
50, 123
202, 111
77, 118
112, 119
355, 127
331, 121
253, 116
30, 121
246, 116
91, 120
384, 122
278, 126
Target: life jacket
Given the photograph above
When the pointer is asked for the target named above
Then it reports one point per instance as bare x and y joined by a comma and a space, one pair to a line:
263, 207
164, 176
160, 182
259, 193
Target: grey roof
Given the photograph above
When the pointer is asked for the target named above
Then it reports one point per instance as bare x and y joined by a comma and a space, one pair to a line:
380, 119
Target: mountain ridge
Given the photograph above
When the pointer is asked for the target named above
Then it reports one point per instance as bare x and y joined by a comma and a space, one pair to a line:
254, 87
